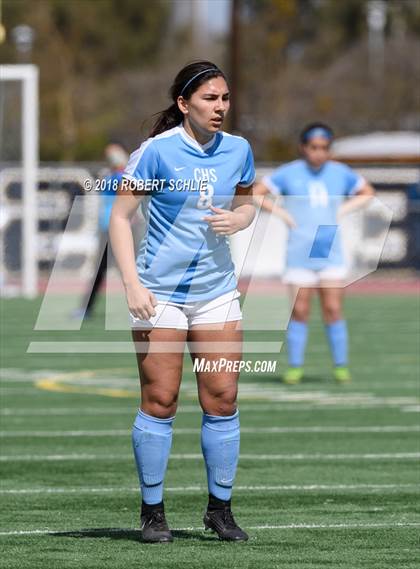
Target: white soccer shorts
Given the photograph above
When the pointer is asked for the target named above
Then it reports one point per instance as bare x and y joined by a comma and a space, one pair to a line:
224, 308
300, 276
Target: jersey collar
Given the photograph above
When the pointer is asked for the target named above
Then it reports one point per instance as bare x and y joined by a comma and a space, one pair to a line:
316, 171
194, 143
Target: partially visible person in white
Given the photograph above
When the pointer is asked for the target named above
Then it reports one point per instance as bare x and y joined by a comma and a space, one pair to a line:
316, 192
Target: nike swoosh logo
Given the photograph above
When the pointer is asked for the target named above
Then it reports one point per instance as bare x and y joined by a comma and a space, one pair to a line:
178, 169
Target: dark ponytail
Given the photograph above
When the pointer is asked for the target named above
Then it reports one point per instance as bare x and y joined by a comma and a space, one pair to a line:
186, 83
167, 119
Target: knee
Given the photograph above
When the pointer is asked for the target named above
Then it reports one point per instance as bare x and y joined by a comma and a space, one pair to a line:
220, 403
301, 311
160, 404
332, 312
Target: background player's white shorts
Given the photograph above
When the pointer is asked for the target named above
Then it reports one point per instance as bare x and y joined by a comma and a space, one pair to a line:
224, 308
307, 277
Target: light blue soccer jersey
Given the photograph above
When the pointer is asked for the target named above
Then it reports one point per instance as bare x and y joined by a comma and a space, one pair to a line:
180, 258
108, 195
313, 197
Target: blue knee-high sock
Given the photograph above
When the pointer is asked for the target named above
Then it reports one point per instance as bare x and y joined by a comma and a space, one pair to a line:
220, 446
338, 341
152, 440
296, 336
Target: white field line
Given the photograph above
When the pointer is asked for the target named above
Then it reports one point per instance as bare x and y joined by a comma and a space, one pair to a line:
133, 382
30, 391
271, 392
78, 411
355, 525
194, 431
99, 381
280, 488
274, 406
190, 456
278, 401
20, 374
89, 381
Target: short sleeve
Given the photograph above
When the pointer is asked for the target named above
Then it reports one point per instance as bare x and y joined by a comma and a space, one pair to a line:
248, 172
353, 181
276, 181
143, 163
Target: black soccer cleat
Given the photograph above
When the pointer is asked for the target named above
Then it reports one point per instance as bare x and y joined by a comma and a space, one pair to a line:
219, 518
154, 527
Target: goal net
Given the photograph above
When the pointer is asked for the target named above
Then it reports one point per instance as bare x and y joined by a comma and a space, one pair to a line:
18, 153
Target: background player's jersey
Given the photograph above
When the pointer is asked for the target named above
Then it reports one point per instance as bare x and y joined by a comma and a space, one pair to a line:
313, 197
180, 258
108, 195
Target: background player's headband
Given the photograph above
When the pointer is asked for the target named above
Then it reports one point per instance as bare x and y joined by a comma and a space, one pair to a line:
317, 131
195, 77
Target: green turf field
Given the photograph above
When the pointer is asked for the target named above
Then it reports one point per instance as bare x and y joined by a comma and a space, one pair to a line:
328, 476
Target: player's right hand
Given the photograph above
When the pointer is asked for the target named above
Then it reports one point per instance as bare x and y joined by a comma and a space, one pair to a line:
141, 302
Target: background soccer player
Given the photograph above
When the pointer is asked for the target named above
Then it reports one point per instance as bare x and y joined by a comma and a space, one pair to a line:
313, 190
182, 286
116, 158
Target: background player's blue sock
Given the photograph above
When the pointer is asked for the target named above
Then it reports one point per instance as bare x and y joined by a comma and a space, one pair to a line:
338, 340
220, 446
152, 440
296, 336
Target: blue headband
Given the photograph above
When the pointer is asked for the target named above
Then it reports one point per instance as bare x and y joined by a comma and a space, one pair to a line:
195, 77
317, 131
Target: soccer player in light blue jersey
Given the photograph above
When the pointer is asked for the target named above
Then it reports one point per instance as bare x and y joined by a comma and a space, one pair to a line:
315, 190
193, 183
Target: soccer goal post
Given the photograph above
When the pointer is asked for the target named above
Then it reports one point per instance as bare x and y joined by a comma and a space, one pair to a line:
28, 75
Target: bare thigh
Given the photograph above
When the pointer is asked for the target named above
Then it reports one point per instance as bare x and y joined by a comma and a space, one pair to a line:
300, 298
160, 373
217, 389
331, 298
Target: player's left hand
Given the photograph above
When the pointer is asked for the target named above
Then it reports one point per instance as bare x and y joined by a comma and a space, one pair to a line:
225, 221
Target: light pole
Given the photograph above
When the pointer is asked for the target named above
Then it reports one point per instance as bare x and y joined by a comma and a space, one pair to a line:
376, 21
